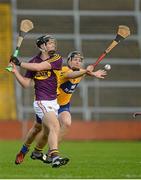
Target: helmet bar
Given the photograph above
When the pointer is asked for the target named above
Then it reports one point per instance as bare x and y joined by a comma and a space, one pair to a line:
43, 40
72, 55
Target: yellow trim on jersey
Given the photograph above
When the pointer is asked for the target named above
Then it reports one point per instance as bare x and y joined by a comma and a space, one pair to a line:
55, 58
58, 74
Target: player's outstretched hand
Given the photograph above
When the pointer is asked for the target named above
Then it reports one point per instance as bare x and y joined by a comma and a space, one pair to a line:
99, 74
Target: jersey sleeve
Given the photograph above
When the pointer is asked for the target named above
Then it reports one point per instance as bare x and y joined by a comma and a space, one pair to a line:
56, 62
65, 70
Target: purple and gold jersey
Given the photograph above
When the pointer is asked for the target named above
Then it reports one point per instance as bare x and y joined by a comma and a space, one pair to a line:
46, 81
67, 87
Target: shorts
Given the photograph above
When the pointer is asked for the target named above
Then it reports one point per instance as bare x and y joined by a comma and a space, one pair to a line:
65, 107
43, 107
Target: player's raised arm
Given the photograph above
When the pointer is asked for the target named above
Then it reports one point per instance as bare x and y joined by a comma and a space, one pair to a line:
31, 66
47, 47
75, 74
75, 63
36, 66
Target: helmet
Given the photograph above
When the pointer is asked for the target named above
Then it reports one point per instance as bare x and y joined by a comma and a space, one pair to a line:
43, 39
73, 53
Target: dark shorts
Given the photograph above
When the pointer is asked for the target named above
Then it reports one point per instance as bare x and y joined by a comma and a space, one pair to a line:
65, 107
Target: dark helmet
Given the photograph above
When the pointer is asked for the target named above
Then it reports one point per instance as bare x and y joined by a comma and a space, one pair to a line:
43, 39
72, 54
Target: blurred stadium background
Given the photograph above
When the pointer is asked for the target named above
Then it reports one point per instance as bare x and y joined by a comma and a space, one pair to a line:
104, 107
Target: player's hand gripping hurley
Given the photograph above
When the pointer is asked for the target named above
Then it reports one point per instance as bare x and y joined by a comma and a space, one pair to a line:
25, 26
122, 33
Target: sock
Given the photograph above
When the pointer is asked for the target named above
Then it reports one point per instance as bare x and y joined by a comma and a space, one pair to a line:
38, 150
53, 153
24, 149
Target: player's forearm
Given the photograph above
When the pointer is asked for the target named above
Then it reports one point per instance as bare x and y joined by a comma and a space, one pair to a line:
36, 66
22, 80
76, 74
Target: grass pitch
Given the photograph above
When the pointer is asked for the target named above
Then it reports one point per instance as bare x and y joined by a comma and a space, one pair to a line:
93, 160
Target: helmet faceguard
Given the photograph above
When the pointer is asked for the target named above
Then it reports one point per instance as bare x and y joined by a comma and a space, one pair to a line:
43, 40
73, 53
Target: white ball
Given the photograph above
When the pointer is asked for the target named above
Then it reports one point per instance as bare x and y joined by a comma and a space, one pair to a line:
107, 66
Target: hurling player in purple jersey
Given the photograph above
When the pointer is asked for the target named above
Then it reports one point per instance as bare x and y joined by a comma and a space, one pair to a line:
73, 72
43, 69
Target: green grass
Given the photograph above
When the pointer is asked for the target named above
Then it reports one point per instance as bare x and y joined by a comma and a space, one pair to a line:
95, 160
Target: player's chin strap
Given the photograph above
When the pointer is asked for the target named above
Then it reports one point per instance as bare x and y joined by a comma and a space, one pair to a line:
43, 49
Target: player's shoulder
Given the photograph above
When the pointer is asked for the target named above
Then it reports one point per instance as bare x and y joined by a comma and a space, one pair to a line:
56, 57
66, 69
